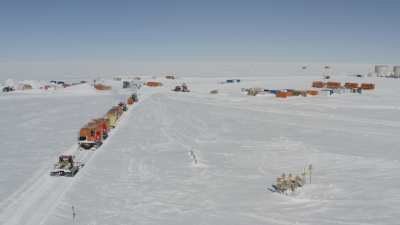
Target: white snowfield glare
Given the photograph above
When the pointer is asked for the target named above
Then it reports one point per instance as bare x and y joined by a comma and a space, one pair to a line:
201, 158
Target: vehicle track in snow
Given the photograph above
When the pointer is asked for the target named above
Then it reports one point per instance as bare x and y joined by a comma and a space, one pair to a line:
36, 199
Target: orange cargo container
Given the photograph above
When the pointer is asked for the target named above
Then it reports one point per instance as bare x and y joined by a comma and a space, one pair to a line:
102, 87
154, 84
367, 86
312, 92
318, 84
281, 94
333, 85
351, 85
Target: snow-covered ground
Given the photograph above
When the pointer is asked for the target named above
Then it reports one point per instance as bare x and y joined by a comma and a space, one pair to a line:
145, 172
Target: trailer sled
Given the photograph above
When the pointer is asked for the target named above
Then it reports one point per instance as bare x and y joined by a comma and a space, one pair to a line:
89, 145
123, 106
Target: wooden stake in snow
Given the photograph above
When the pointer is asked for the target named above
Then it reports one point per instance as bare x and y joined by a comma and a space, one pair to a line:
310, 171
73, 213
194, 158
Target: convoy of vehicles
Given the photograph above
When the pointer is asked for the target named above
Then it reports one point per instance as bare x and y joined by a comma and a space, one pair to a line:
91, 136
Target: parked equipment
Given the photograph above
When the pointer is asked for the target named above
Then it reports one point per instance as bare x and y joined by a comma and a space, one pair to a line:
214, 91
181, 88
8, 89
178, 88
231, 81
66, 166
170, 77
126, 84
254, 91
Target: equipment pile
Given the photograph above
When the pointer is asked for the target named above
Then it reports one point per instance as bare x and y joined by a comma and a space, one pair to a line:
284, 183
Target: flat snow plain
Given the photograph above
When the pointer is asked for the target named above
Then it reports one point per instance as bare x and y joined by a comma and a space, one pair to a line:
145, 173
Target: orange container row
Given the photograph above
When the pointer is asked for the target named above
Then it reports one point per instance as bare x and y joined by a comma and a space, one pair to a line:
348, 85
154, 84
289, 93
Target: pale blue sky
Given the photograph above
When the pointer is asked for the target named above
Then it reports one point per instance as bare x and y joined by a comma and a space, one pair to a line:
353, 31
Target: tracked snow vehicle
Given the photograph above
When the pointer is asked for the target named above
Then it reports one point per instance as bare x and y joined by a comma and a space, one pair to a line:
123, 106
66, 166
134, 97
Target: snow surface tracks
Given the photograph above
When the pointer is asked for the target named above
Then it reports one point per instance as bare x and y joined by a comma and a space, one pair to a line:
35, 200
